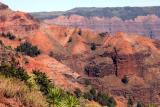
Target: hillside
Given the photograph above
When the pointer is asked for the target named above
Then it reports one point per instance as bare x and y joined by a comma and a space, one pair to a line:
101, 67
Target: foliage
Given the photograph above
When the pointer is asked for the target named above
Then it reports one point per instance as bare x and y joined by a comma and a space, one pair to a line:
111, 102
28, 49
151, 105
130, 102
71, 101
93, 46
100, 97
70, 40
12, 71
88, 96
55, 96
42, 80
125, 80
1, 42
77, 92
87, 81
103, 34
139, 104
9, 36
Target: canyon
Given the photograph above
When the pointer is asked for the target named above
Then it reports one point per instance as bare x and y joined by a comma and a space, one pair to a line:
138, 20
122, 64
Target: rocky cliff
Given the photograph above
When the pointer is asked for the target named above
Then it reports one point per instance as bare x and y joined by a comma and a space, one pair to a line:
139, 20
121, 64
144, 25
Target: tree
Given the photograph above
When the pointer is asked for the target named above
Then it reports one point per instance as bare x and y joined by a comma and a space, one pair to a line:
93, 46
28, 49
125, 80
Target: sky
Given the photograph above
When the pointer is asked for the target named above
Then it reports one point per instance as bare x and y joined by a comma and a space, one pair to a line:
62, 5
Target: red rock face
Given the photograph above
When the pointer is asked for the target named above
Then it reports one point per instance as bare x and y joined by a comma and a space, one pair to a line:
143, 25
17, 22
71, 54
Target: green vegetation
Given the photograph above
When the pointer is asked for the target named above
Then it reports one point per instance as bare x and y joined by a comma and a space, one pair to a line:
55, 96
100, 97
125, 80
130, 102
103, 34
70, 40
87, 81
39, 84
78, 93
43, 82
93, 46
8, 35
28, 49
18, 92
151, 105
12, 71
139, 104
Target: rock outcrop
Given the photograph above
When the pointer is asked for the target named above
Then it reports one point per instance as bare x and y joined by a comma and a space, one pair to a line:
142, 25
69, 56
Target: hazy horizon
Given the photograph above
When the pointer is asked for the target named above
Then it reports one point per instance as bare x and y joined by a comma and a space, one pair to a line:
61, 5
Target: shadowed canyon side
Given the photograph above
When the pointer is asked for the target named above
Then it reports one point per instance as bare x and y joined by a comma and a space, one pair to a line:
125, 66
138, 20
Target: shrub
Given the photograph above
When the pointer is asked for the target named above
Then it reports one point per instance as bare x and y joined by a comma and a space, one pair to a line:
125, 80
88, 96
1, 42
111, 102
87, 82
78, 93
130, 102
12, 71
151, 105
70, 40
43, 81
28, 49
93, 46
54, 96
9, 36
100, 97
94, 93
139, 104
103, 34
